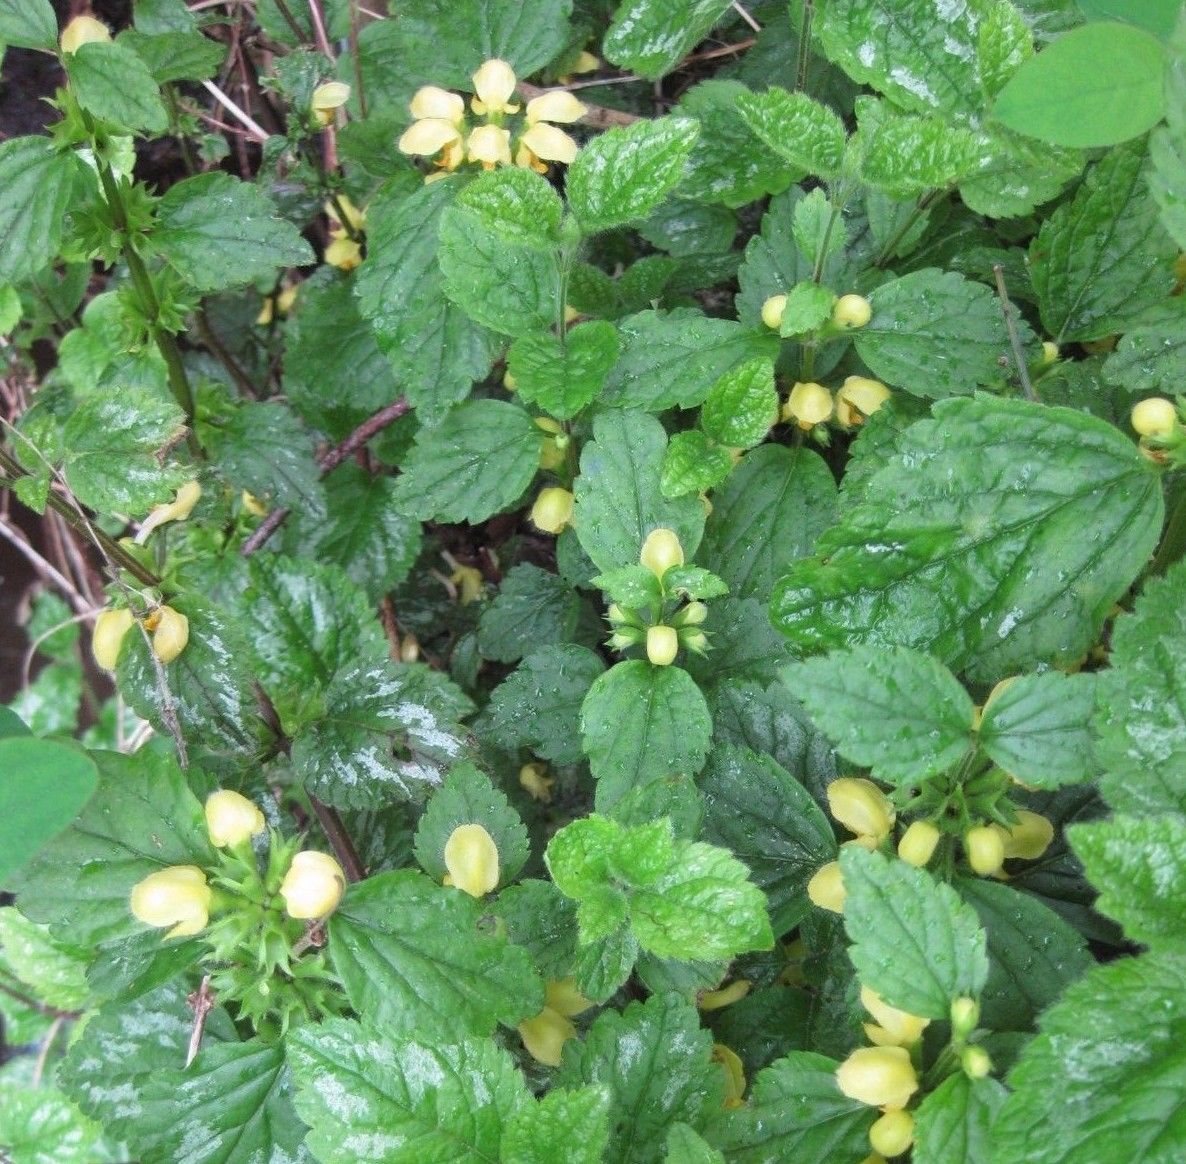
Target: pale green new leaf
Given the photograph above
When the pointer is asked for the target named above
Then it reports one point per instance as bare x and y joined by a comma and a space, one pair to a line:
907, 156
805, 132
111, 82
914, 941
564, 374
53, 972
953, 1124
28, 24
649, 37
563, 1125
371, 1099
36, 186
742, 405
693, 463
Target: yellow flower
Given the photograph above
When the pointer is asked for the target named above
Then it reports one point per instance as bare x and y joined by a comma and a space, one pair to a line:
918, 843
896, 1028
859, 397
662, 645
313, 885
356, 219
893, 1133
772, 311
661, 551
327, 98
471, 856
851, 311
178, 509
170, 632
541, 141
83, 30
716, 999
232, 819
534, 779
252, 504
809, 404
552, 510
1030, 837
177, 896
878, 1076
494, 84
985, 849
343, 253
469, 583
1154, 417
826, 887
108, 637
544, 1036
734, 1072
564, 997
490, 145
428, 137
433, 102
861, 807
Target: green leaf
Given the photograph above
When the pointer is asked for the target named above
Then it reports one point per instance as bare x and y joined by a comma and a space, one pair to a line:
218, 232
686, 1146
542, 920
969, 537
953, 1125
641, 723
914, 941
742, 405
523, 716
1139, 866
54, 972
760, 812
142, 818
1152, 354
1167, 145
419, 959
436, 350
795, 1112
1038, 729
1096, 86
568, 1125
531, 610
623, 174
468, 797
563, 375
693, 463
618, 496
110, 81
936, 334
1121, 1029
898, 712
907, 156
744, 644
176, 56
1139, 722
654, 1059
1102, 258
675, 358
797, 127
1015, 174
769, 513
1156, 16
650, 37
370, 1099
39, 1125
36, 187
1033, 954
45, 786
601, 968
808, 307
386, 733
478, 461
28, 24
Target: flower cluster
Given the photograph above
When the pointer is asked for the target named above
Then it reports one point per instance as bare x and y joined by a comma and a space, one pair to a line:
442, 131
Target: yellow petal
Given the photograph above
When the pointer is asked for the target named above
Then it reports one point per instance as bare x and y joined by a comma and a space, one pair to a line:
427, 137
490, 145
471, 856
343, 253
558, 105
494, 84
549, 143
438, 104
331, 95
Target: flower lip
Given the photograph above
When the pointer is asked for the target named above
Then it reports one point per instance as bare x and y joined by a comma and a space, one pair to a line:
549, 143
313, 885
471, 856
428, 137
557, 105
494, 84
432, 102
231, 818
176, 896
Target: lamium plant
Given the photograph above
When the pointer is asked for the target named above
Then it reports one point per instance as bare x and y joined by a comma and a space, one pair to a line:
606, 582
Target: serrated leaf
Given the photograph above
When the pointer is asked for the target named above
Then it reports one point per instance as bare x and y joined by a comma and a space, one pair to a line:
1140, 723
624, 174
373, 1100
538, 705
1102, 258
386, 733
417, 958
650, 37
28, 24
618, 496
436, 350
936, 334
1139, 866
808, 307
569, 1125
468, 797
954, 1122
176, 56
39, 1125
1039, 729
478, 461
914, 941
1152, 354
1120, 1028
1096, 86
563, 374
755, 808
769, 513
54, 972
742, 405
898, 712
218, 232
693, 463
110, 81
687, 1146
805, 132
531, 610
1167, 145
971, 532
907, 156
674, 358
744, 644
1015, 174
795, 1112
640, 723
36, 186
673, 1080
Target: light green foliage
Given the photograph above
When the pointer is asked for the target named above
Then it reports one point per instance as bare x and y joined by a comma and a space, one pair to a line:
955, 1121
650, 36
37, 184
562, 376
807, 134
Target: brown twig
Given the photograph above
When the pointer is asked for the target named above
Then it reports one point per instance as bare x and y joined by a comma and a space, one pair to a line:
202, 1001
1009, 312
339, 839
598, 116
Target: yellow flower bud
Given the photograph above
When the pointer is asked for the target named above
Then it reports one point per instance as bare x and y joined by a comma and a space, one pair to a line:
861, 807
343, 253
918, 843
1030, 837
494, 84
409, 649
975, 1062
586, 62
734, 992
108, 636
552, 510
177, 896
693, 614
534, 779
826, 888
1050, 353
859, 397
809, 404
734, 1073
313, 885
547, 142
772, 311
232, 819
852, 311
544, 1036
430, 102
1154, 417
170, 633
965, 1014
328, 97
557, 105
252, 504
985, 849
83, 30
662, 644
897, 1028
564, 998
661, 551
490, 145
878, 1076
893, 1133
471, 856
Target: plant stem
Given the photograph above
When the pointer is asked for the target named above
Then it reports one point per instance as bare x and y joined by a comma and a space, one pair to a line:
925, 202
1009, 312
339, 839
804, 54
